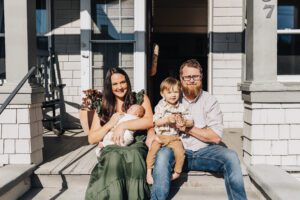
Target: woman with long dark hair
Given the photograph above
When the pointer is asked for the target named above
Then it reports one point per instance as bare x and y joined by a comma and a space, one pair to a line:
121, 171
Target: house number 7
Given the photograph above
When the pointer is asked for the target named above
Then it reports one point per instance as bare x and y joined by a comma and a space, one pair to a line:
268, 7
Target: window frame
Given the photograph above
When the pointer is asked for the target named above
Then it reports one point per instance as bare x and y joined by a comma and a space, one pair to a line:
48, 33
118, 41
287, 78
2, 35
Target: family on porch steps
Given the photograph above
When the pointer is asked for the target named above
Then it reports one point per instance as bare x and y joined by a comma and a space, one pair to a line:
121, 170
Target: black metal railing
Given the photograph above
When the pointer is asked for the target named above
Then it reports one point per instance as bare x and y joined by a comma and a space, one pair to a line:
16, 90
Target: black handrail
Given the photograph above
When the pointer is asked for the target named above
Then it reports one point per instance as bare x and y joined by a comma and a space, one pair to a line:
16, 90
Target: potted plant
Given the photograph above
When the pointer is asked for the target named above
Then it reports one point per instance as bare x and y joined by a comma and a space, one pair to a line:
90, 110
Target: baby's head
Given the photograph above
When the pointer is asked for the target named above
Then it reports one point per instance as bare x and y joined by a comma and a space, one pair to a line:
136, 110
170, 89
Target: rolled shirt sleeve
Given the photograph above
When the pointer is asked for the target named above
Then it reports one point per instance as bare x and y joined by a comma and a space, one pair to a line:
214, 116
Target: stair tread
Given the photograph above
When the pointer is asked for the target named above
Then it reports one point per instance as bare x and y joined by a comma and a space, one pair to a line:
51, 101
71, 163
10, 175
181, 194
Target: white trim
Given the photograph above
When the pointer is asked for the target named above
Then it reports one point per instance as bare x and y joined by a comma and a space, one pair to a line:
288, 78
113, 41
139, 66
49, 17
85, 37
288, 31
210, 56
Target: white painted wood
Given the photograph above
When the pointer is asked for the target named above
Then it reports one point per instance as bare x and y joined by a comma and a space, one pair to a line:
210, 56
288, 78
140, 68
288, 31
85, 36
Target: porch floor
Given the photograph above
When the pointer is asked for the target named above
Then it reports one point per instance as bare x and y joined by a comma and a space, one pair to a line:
71, 153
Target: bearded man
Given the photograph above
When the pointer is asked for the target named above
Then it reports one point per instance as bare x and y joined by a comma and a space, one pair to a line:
201, 142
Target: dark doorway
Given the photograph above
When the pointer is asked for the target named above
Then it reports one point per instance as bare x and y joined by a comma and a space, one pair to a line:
179, 28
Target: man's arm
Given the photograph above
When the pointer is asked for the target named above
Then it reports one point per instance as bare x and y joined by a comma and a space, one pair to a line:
213, 131
205, 135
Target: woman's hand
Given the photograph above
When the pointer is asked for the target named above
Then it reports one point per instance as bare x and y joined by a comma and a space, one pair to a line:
114, 119
118, 134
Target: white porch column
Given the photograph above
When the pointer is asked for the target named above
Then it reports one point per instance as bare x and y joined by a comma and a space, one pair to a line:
271, 109
85, 36
21, 138
261, 43
20, 38
140, 68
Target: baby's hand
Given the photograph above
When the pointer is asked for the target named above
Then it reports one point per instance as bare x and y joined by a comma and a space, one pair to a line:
171, 119
179, 120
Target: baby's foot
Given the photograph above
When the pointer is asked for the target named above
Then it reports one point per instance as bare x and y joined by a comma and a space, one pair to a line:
100, 145
175, 175
149, 178
98, 151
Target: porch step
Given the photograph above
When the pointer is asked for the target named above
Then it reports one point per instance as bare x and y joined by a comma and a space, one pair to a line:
181, 194
207, 187
69, 161
14, 180
204, 193
81, 181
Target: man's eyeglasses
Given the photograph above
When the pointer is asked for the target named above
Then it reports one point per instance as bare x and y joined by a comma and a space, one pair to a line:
194, 77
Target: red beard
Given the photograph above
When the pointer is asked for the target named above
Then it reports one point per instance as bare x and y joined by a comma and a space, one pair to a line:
191, 91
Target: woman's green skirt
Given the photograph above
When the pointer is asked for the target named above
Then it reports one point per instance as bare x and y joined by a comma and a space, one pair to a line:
120, 173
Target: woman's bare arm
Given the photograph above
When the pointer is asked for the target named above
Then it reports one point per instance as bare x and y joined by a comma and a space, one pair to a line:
96, 132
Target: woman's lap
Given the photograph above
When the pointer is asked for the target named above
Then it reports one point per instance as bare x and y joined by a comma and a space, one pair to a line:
120, 169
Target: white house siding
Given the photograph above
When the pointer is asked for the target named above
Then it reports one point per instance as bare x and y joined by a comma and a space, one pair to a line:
227, 59
66, 30
271, 133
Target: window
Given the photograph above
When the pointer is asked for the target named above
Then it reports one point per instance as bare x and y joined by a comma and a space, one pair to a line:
2, 42
42, 24
288, 45
112, 37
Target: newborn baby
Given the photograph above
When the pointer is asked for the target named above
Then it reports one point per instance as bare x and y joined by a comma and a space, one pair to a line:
134, 112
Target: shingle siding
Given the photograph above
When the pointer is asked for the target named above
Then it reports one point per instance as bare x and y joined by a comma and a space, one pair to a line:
227, 58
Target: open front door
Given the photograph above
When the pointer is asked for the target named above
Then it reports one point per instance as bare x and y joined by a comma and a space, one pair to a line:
180, 30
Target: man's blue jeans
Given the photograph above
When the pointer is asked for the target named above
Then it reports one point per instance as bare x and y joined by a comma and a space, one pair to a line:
213, 158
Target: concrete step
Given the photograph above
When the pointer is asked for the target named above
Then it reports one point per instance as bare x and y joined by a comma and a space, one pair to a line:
175, 194
207, 180
54, 193
204, 193
186, 180
15, 180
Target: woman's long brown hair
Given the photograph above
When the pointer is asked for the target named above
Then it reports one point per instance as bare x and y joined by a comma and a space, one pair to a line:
109, 100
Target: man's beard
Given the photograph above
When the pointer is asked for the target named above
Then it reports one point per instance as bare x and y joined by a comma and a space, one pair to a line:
191, 91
